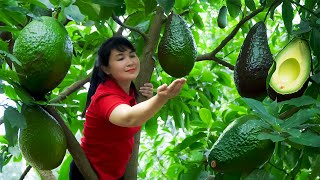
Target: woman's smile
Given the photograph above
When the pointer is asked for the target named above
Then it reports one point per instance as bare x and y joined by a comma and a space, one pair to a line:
132, 70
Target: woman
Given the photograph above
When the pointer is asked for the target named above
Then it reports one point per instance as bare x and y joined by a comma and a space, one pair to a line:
112, 116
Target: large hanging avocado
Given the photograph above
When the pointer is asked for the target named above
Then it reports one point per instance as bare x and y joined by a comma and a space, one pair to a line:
253, 63
42, 143
177, 49
293, 67
238, 150
44, 49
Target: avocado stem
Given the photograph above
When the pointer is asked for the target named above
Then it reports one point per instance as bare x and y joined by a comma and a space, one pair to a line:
213, 164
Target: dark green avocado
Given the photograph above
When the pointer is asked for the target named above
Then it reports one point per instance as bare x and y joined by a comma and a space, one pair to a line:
177, 49
253, 63
222, 17
238, 150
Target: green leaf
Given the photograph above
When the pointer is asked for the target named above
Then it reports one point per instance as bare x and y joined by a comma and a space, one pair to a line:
315, 42
316, 78
189, 140
287, 15
13, 120
293, 132
89, 9
204, 100
11, 57
270, 73
64, 168
299, 102
177, 115
206, 116
234, 7
250, 4
54, 2
299, 118
74, 12
224, 78
261, 111
174, 170
3, 47
192, 173
134, 6
272, 137
167, 5
8, 75
260, 174
14, 15
198, 21
149, 6
151, 126
307, 138
182, 4
3, 140
109, 3
315, 165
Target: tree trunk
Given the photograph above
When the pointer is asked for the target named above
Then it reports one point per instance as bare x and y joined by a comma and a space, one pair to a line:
147, 66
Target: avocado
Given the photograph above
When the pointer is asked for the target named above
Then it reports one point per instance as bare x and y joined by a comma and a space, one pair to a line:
222, 17
291, 76
42, 143
238, 150
253, 63
177, 49
44, 49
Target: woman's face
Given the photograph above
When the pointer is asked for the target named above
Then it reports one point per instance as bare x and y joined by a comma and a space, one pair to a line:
123, 66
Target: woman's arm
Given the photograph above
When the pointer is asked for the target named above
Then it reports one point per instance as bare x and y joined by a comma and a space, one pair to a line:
127, 116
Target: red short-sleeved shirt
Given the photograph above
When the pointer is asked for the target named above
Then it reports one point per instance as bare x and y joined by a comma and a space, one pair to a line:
108, 146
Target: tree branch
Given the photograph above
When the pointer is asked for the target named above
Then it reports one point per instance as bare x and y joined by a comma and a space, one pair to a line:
118, 21
74, 148
72, 88
25, 172
212, 55
214, 58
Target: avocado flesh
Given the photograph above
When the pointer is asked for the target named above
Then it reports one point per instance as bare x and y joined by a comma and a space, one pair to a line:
177, 49
238, 150
253, 63
293, 67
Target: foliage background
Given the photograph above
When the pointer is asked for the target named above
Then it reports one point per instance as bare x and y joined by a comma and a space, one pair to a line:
175, 143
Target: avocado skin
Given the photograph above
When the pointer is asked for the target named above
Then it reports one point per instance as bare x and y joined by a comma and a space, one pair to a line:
238, 150
253, 63
283, 97
222, 17
177, 49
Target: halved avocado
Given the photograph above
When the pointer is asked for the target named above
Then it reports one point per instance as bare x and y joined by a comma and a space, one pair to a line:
293, 67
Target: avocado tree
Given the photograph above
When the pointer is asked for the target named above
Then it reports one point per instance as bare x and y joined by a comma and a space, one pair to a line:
176, 142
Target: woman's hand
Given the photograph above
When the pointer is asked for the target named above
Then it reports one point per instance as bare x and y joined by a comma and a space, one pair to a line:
147, 90
168, 92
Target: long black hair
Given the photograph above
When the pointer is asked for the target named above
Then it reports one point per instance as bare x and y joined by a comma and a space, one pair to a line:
98, 76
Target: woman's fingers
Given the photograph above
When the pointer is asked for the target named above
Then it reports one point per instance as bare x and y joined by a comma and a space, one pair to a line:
176, 85
147, 90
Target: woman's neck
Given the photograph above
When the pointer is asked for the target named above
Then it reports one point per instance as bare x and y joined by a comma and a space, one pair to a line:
124, 85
